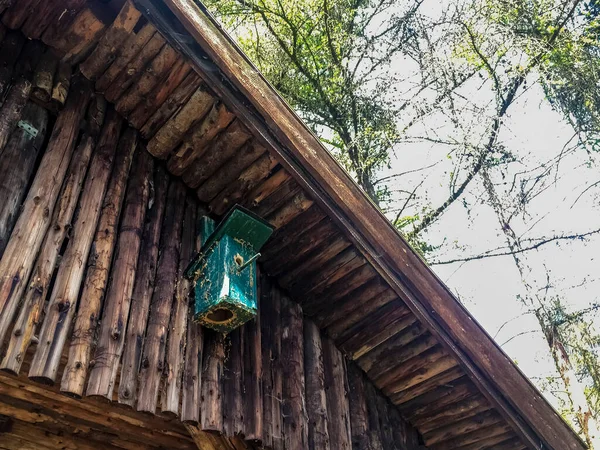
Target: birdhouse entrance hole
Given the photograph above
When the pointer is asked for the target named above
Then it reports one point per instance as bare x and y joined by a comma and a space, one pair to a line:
220, 315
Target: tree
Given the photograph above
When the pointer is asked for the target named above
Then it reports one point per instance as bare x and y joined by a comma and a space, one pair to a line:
331, 61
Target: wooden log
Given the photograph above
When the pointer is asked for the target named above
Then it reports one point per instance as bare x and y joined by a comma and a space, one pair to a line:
436, 399
134, 69
267, 187
418, 350
336, 268
362, 326
12, 109
401, 341
95, 115
301, 249
58, 16
341, 326
143, 289
285, 236
440, 365
385, 423
195, 145
151, 76
375, 433
16, 15
78, 40
358, 409
337, 293
480, 435
316, 257
62, 83
170, 135
18, 161
43, 79
129, 49
292, 209
270, 321
149, 104
28, 60
172, 104
86, 322
390, 320
174, 366
27, 236
295, 425
192, 380
448, 377
275, 200
212, 382
336, 390
217, 154
249, 178
316, 399
453, 413
386, 372
30, 315
109, 46
10, 49
230, 171
233, 415
253, 387
502, 441
5, 4
63, 300
155, 345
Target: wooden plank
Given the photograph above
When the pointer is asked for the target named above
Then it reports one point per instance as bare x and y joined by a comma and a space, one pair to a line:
291, 209
31, 313
18, 161
326, 181
123, 268
174, 366
316, 399
143, 289
253, 399
295, 424
233, 414
155, 344
445, 378
455, 412
12, 109
65, 293
28, 234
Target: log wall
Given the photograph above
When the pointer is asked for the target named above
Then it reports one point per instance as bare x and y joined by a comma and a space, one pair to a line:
95, 238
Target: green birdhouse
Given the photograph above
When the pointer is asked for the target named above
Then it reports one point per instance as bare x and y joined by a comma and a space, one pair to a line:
224, 272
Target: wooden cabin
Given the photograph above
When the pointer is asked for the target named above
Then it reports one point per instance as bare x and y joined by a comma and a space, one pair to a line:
123, 124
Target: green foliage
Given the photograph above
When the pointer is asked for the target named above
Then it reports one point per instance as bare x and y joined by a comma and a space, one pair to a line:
331, 61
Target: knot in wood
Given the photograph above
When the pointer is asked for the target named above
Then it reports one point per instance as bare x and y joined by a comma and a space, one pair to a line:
78, 365
126, 393
116, 334
18, 332
145, 363
63, 306
36, 200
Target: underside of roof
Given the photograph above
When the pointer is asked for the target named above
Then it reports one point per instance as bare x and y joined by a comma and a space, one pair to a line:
216, 122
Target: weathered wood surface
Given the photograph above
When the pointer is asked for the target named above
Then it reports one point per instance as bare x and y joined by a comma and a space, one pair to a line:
12, 109
43, 79
155, 345
111, 334
29, 231
86, 323
65, 293
175, 356
336, 386
212, 382
10, 49
316, 400
18, 159
143, 288
233, 416
62, 83
31, 313
109, 45
295, 423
